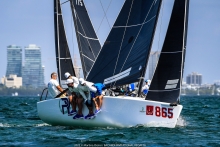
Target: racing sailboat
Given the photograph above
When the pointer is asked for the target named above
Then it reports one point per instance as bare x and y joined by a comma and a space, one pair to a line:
123, 60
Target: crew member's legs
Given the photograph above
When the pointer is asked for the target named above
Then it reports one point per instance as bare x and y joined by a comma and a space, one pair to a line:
95, 100
100, 100
79, 102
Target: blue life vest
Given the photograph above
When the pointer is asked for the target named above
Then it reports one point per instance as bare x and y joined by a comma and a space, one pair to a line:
131, 87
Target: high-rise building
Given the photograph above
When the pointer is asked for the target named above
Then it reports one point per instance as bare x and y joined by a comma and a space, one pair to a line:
14, 60
152, 63
194, 79
33, 71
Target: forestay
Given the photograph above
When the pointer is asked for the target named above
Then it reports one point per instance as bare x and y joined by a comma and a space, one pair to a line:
88, 41
63, 58
166, 83
123, 56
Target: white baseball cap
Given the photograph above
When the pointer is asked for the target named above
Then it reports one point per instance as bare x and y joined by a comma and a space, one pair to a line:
81, 81
68, 81
67, 75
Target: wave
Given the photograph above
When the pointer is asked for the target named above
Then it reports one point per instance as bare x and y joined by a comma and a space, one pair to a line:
181, 122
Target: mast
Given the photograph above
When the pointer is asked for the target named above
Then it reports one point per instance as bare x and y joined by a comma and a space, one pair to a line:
147, 57
63, 57
56, 32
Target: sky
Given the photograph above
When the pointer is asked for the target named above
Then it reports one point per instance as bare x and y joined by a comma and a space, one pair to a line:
25, 22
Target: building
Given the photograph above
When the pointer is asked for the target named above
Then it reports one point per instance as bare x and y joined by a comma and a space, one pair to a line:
12, 81
14, 61
152, 63
194, 79
33, 71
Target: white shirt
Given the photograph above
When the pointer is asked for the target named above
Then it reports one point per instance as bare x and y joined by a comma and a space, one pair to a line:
75, 80
52, 88
145, 87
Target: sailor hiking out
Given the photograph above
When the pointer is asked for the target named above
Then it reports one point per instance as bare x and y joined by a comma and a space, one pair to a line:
79, 100
73, 96
96, 93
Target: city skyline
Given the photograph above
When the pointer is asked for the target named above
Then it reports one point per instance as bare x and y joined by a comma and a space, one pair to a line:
24, 24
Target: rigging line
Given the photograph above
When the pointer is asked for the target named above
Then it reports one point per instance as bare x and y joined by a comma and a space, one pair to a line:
154, 68
184, 42
88, 57
87, 37
160, 26
105, 14
122, 41
79, 42
72, 35
134, 25
85, 34
171, 52
99, 53
103, 17
65, 2
137, 36
163, 90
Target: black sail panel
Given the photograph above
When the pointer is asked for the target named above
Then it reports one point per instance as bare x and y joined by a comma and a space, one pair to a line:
88, 42
124, 53
63, 57
166, 82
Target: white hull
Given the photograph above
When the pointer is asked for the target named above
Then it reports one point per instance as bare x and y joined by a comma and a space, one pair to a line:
116, 112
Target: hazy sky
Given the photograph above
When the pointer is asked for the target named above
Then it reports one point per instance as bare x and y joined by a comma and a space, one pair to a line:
25, 22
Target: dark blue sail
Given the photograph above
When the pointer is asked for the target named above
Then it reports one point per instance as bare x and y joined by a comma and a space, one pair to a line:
88, 42
167, 79
63, 58
123, 56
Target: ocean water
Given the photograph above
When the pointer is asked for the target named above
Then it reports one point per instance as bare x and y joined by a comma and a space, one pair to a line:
198, 125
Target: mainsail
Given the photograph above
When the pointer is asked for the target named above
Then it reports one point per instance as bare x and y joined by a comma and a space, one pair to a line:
124, 53
88, 41
167, 79
63, 58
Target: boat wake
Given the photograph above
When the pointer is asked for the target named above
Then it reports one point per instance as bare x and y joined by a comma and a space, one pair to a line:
181, 122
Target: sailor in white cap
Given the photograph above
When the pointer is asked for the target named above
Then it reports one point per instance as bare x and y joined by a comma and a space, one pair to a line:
68, 76
87, 87
73, 88
74, 95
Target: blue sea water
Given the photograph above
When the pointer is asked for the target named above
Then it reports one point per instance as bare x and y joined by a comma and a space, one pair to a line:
198, 125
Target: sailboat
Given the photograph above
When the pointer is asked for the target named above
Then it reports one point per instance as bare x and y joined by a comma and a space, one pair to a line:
123, 60
198, 92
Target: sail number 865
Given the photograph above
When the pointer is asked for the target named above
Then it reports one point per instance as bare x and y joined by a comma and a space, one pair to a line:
160, 111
